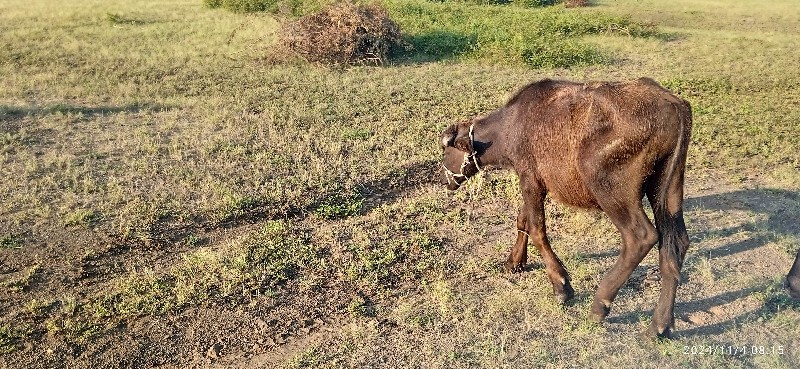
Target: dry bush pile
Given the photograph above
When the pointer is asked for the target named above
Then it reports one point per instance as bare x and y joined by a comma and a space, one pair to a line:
341, 34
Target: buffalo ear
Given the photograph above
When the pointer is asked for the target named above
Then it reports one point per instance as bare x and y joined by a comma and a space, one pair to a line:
449, 135
464, 144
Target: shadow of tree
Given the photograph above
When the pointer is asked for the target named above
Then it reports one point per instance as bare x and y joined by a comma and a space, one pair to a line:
781, 207
775, 302
10, 113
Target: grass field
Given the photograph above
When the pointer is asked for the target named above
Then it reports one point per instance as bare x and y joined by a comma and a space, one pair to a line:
170, 198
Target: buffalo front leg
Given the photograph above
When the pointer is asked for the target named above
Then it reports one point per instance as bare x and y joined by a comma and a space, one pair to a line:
531, 225
519, 252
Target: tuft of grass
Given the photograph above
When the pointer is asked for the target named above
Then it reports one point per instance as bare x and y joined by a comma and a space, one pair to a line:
8, 339
357, 133
37, 309
116, 18
395, 244
193, 240
359, 306
10, 241
338, 204
275, 254
140, 294
235, 205
22, 279
74, 329
82, 217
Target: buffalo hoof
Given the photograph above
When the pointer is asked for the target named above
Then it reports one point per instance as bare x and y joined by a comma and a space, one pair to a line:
563, 293
599, 311
657, 331
512, 267
793, 287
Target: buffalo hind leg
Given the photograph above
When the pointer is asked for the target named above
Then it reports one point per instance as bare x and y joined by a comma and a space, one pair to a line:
673, 243
531, 224
638, 237
666, 198
793, 278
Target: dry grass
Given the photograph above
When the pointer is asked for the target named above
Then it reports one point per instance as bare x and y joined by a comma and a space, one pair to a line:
144, 157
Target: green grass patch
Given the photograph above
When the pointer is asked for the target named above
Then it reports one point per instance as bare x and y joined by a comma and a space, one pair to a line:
75, 329
140, 294
290, 7
539, 38
122, 19
176, 130
275, 254
696, 87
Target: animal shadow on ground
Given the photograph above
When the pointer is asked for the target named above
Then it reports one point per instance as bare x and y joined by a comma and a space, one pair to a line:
776, 217
397, 183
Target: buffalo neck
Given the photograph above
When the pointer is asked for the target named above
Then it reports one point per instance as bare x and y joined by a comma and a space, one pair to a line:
490, 144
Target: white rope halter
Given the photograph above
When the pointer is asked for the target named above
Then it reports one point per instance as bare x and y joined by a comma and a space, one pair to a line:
468, 157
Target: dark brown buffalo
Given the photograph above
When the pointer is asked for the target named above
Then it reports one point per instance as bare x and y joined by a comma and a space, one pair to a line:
793, 279
594, 146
